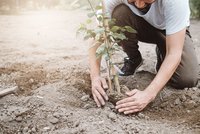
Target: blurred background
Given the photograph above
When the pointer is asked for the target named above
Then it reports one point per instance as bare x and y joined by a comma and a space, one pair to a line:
15, 6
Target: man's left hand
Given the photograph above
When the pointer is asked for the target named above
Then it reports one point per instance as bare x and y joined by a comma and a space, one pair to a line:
136, 101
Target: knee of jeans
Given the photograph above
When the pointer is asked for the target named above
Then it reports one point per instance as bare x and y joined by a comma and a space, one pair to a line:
185, 81
120, 12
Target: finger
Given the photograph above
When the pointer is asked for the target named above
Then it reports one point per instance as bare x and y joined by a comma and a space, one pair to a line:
126, 100
128, 104
96, 100
99, 97
132, 111
102, 92
128, 109
104, 83
131, 93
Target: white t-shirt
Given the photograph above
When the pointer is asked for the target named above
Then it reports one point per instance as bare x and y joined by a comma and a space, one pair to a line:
169, 15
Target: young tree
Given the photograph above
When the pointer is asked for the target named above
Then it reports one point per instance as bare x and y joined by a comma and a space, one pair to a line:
107, 36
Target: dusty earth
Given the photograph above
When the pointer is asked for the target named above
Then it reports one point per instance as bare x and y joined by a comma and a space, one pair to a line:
42, 56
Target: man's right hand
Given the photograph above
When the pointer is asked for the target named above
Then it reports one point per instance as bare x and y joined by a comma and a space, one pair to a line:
98, 92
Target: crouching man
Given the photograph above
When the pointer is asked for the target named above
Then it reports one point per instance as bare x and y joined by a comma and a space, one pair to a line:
161, 22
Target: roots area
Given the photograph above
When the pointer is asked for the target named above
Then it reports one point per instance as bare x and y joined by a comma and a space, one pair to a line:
115, 96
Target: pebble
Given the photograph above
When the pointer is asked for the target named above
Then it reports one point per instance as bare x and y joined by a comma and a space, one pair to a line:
76, 124
194, 97
31, 81
18, 119
112, 116
25, 130
87, 106
188, 111
194, 88
5, 106
183, 98
46, 129
190, 104
54, 120
140, 115
177, 102
33, 129
56, 114
85, 98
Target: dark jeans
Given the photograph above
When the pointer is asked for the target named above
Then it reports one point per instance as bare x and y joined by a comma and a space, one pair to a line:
186, 75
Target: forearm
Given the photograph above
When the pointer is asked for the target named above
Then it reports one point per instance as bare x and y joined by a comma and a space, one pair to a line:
174, 49
166, 71
94, 62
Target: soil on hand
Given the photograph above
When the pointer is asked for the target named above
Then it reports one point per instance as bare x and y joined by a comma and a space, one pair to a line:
114, 96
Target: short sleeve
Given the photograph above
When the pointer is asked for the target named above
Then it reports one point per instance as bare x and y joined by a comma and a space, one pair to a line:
177, 15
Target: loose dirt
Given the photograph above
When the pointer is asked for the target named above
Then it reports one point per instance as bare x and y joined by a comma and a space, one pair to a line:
42, 56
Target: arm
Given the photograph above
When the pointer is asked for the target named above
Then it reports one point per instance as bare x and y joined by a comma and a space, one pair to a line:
174, 48
138, 100
98, 83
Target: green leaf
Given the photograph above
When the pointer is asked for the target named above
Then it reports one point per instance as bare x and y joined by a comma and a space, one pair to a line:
100, 18
101, 50
111, 22
89, 21
115, 29
90, 15
116, 47
130, 29
91, 33
99, 30
99, 37
118, 36
87, 37
98, 7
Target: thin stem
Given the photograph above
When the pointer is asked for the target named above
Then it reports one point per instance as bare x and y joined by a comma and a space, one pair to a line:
92, 8
91, 5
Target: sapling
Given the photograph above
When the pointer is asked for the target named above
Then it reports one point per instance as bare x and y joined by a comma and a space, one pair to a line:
107, 35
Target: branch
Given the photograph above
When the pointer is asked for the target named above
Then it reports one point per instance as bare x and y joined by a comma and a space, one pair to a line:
7, 91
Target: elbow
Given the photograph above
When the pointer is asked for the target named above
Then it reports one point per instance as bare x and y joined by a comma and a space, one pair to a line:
176, 57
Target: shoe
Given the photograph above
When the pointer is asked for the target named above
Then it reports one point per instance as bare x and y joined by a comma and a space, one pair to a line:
159, 59
130, 66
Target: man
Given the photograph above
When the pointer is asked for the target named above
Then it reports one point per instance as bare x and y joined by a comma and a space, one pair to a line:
164, 23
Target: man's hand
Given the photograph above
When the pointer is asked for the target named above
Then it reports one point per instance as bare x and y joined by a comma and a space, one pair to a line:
136, 101
98, 92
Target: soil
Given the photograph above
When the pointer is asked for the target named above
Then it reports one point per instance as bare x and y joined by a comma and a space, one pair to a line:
42, 56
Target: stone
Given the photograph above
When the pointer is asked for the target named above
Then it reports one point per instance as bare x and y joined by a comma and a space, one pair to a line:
18, 119
87, 106
190, 104
33, 130
140, 115
54, 120
177, 102
56, 114
183, 98
25, 130
194, 88
76, 124
85, 98
31, 81
46, 129
112, 116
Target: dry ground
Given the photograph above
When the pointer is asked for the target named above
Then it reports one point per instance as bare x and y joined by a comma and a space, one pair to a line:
42, 56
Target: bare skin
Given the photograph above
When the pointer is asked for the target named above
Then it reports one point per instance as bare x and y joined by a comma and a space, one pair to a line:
137, 100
